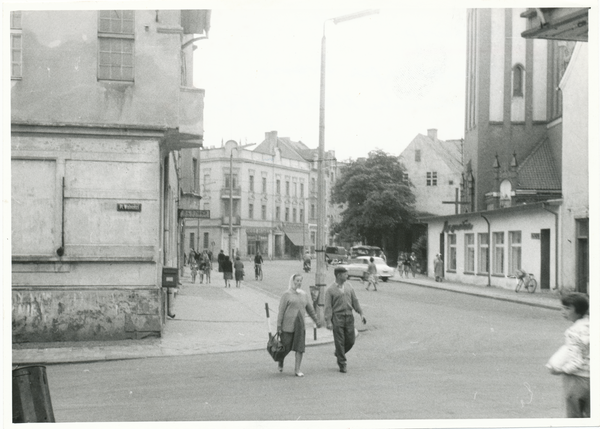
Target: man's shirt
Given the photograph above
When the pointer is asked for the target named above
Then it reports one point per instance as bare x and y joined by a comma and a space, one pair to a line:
340, 300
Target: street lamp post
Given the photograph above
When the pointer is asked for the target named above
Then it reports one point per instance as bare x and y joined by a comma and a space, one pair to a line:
320, 272
231, 255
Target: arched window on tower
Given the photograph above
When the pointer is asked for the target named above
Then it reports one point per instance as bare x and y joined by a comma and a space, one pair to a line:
518, 80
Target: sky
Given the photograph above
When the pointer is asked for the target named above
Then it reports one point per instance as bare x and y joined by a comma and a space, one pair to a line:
389, 76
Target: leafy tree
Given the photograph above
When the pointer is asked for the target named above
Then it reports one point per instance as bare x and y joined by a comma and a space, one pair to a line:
379, 202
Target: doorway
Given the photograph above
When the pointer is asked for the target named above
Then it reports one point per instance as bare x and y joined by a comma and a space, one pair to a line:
545, 259
441, 252
582, 256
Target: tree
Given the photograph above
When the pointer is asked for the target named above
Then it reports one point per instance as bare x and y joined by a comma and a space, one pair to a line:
379, 200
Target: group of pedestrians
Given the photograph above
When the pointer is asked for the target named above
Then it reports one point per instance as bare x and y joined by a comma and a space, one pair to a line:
407, 263
340, 302
235, 268
200, 265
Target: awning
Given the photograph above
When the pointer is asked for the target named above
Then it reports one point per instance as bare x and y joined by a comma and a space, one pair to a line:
297, 238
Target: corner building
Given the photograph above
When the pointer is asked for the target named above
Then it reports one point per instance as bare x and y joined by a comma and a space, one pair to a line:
102, 104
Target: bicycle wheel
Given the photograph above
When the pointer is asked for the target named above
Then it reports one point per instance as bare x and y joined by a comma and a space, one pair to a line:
519, 284
532, 285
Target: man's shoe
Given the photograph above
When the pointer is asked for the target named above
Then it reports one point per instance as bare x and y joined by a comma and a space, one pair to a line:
343, 369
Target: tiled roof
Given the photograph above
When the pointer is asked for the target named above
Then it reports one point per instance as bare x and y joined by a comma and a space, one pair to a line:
538, 171
289, 149
448, 151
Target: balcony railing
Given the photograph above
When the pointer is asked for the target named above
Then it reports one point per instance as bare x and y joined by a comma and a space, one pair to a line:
235, 220
237, 192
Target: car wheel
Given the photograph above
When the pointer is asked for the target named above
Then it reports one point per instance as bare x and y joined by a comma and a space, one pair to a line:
384, 279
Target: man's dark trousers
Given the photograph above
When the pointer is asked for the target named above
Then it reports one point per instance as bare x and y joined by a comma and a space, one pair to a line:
343, 336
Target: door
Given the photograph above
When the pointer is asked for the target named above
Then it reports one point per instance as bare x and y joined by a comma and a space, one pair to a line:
441, 252
582, 256
545, 259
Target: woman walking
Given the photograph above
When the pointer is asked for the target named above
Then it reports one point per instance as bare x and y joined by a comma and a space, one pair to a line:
207, 267
227, 267
438, 267
293, 306
239, 271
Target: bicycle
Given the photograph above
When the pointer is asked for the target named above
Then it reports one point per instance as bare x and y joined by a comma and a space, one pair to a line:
525, 280
258, 272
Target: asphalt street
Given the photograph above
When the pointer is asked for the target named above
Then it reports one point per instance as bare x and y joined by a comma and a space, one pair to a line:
424, 354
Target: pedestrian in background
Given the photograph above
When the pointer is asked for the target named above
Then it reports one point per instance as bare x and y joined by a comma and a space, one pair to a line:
207, 267
220, 259
372, 274
293, 306
572, 360
438, 267
227, 267
194, 270
406, 264
239, 271
413, 263
340, 300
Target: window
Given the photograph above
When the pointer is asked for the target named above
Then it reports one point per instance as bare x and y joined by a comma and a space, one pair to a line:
312, 211
452, 252
470, 253
405, 177
302, 215
192, 240
278, 213
278, 187
115, 45
251, 211
313, 237
251, 183
484, 245
206, 180
498, 266
514, 249
235, 180
264, 185
518, 80
287, 214
195, 173
287, 188
417, 155
263, 212
301, 190
294, 211
432, 178
295, 189
313, 185
206, 240
16, 48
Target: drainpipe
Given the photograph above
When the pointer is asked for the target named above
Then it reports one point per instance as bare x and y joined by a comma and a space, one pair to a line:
489, 251
556, 253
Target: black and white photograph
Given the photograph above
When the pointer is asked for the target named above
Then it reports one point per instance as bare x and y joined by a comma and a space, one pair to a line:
362, 214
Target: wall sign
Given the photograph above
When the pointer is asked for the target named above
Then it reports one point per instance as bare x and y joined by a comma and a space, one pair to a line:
465, 224
535, 235
129, 207
192, 213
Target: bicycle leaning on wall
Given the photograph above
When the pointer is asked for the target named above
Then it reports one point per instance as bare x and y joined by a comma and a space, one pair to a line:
525, 280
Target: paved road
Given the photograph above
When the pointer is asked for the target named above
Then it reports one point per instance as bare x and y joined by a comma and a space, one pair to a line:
425, 354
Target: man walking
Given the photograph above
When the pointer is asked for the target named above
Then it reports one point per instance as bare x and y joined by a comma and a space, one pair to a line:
340, 300
372, 274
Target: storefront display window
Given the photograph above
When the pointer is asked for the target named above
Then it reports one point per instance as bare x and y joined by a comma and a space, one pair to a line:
514, 243
452, 252
484, 244
470, 253
498, 253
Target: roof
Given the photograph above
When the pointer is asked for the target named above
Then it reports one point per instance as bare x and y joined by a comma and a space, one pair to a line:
289, 149
538, 171
449, 151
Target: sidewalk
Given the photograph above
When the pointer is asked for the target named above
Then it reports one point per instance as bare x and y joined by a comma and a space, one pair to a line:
209, 319
543, 299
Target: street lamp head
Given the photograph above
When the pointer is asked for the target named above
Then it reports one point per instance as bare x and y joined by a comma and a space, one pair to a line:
355, 15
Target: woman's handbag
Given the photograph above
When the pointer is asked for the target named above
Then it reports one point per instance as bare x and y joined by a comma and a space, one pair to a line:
275, 348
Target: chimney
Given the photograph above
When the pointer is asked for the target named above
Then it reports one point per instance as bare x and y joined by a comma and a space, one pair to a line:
432, 133
271, 138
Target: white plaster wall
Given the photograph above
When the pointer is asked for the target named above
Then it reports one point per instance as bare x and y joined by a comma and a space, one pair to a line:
527, 222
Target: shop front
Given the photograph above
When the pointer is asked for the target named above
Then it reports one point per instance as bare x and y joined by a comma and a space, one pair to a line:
257, 240
487, 248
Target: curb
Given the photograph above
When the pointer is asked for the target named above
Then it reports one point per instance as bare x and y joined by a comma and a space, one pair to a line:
482, 295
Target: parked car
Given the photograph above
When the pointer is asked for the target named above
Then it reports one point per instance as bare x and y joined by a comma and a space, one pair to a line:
357, 251
336, 255
357, 267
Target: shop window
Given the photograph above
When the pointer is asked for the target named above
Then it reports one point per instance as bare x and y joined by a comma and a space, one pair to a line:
483, 253
470, 253
514, 248
452, 252
116, 45
498, 266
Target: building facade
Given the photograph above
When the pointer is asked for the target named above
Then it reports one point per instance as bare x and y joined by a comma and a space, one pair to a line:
259, 200
101, 105
434, 167
521, 179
